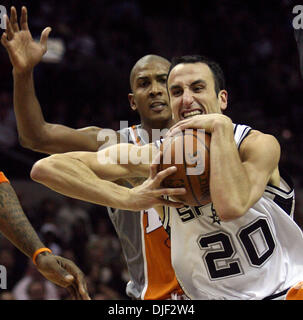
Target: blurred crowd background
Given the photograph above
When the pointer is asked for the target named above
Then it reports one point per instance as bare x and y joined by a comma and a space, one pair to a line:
84, 80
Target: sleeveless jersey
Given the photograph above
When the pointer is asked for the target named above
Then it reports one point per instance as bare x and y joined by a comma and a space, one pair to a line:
257, 256
145, 245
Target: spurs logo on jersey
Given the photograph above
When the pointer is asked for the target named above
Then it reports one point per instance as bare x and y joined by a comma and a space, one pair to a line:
187, 213
216, 259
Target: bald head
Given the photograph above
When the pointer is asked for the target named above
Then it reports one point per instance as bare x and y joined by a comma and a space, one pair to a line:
148, 59
149, 95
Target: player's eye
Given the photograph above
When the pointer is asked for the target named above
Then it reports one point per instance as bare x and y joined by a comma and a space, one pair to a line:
198, 89
162, 80
144, 84
176, 92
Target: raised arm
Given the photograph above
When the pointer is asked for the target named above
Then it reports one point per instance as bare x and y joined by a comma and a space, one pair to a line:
34, 132
87, 176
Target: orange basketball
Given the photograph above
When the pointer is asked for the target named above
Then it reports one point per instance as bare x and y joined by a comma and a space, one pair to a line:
189, 152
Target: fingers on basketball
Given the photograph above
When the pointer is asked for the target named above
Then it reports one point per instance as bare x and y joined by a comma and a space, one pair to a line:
173, 204
165, 173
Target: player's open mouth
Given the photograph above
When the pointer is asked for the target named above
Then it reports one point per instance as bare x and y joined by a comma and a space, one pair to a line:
188, 114
158, 106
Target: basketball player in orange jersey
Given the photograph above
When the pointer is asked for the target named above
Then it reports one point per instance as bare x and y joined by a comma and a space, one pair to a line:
245, 236
144, 241
15, 226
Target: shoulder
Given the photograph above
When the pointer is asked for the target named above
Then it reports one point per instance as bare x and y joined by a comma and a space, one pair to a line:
258, 137
259, 144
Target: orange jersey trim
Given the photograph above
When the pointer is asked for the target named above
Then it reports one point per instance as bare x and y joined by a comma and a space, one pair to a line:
162, 281
138, 140
3, 177
295, 292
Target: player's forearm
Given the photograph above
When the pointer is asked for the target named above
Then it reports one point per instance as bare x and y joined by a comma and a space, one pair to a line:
229, 184
74, 179
14, 225
30, 120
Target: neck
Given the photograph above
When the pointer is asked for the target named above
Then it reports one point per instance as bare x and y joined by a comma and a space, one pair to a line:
149, 126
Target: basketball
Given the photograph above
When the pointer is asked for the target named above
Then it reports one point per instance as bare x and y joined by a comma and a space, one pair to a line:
189, 152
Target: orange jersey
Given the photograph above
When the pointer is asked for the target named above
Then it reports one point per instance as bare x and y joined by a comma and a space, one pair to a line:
160, 276
3, 177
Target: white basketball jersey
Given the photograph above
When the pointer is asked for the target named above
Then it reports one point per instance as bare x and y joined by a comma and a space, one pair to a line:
256, 256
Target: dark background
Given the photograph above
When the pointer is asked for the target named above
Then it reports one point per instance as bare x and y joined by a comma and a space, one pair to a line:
252, 40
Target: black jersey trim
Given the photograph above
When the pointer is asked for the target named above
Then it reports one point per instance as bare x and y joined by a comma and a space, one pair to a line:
286, 204
166, 217
276, 295
158, 143
245, 133
286, 177
284, 199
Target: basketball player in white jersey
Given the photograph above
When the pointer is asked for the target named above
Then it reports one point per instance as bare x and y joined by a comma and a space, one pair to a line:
141, 233
244, 244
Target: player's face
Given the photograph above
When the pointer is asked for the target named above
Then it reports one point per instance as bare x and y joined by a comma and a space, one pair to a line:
149, 95
192, 91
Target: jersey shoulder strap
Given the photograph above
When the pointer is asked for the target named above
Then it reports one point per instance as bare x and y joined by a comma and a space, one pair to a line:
241, 131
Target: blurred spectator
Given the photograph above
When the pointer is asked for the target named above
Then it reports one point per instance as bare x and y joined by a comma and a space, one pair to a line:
36, 290
106, 293
8, 135
45, 212
78, 242
7, 259
28, 286
68, 216
51, 237
6, 295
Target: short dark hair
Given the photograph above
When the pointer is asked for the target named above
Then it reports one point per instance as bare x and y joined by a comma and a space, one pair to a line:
215, 68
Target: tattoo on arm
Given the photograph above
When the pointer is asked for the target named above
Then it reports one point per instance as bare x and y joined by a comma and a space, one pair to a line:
14, 224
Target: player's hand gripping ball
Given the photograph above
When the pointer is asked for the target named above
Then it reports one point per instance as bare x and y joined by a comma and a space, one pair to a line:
189, 151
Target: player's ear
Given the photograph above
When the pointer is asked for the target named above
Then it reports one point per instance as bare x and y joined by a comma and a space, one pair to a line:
131, 100
223, 98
